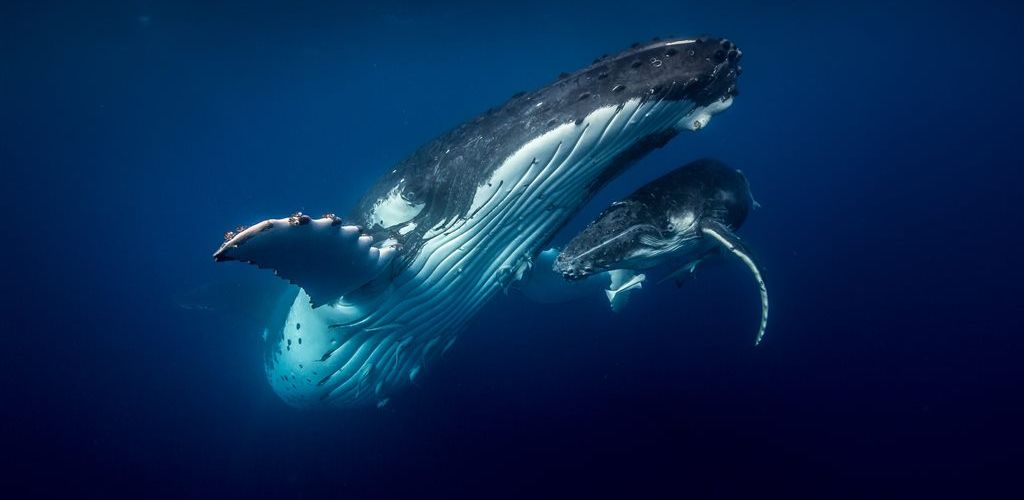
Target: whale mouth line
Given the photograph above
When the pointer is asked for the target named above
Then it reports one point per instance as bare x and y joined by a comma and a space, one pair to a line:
569, 266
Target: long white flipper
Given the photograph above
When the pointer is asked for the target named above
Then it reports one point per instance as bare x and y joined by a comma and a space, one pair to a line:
324, 257
732, 243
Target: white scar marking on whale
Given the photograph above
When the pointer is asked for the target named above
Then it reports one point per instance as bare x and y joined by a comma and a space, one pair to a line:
394, 209
407, 228
383, 342
682, 221
699, 117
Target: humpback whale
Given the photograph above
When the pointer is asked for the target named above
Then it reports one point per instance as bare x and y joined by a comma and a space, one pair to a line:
682, 218
385, 290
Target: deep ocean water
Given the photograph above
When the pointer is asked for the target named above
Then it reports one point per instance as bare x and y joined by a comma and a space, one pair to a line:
882, 141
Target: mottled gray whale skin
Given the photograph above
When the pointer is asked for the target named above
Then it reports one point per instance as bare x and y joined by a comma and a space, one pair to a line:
387, 289
680, 219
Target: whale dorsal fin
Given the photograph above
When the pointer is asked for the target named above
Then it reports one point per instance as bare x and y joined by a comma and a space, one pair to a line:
724, 236
323, 256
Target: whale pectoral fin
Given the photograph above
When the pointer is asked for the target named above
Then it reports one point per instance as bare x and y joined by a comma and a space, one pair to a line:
324, 257
724, 236
623, 281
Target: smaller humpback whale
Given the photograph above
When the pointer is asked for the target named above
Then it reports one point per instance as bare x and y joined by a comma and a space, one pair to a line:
681, 218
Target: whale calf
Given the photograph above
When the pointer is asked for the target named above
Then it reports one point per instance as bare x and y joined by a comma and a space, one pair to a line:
386, 289
682, 219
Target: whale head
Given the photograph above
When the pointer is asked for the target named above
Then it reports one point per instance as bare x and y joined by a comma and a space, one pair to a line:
661, 220
701, 70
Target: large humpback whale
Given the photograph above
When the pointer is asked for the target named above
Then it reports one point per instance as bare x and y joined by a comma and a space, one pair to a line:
387, 289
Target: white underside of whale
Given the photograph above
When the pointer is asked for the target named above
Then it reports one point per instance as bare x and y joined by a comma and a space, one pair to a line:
360, 352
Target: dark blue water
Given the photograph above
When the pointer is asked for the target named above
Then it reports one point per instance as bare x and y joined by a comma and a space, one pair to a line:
882, 141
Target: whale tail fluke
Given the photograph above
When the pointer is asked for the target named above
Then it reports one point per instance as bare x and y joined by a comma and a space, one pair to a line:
323, 256
725, 237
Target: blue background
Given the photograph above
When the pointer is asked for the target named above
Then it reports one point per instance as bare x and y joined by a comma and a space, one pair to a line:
881, 140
